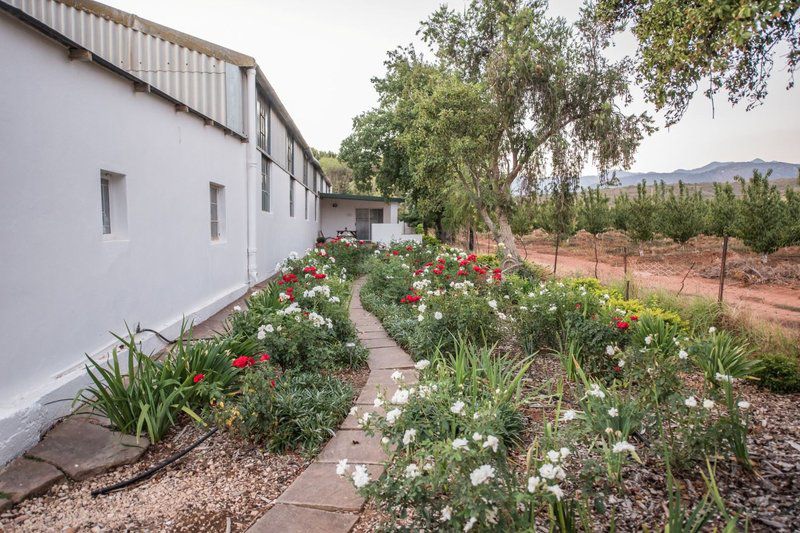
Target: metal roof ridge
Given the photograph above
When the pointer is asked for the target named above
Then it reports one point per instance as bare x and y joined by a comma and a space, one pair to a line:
135, 22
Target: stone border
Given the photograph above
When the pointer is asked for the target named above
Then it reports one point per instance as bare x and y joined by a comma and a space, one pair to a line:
319, 500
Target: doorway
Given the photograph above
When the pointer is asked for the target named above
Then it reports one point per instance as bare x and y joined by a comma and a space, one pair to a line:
365, 218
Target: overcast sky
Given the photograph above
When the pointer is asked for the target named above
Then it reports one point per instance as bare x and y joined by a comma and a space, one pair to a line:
320, 55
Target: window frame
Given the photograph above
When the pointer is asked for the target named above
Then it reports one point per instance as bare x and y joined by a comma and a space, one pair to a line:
291, 196
105, 204
266, 185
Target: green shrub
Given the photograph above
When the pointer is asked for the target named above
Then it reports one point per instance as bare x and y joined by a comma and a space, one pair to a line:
779, 373
721, 357
463, 314
430, 240
296, 411
148, 398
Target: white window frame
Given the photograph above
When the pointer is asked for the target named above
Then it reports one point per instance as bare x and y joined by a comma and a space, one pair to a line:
217, 212
113, 206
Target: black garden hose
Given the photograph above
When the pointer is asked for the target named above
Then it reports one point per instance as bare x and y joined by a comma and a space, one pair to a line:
153, 469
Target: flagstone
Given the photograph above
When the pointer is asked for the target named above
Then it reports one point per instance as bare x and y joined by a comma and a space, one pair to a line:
393, 357
24, 478
282, 518
382, 342
82, 449
320, 487
355, 446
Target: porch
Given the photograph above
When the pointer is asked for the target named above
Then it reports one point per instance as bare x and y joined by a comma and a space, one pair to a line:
369, 218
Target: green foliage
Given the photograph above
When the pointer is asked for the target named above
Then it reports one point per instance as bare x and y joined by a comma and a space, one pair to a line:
430, 470
430, 240
683, 44
621, 213
721, 357
297, 411
594, 213
147, 398
640, 222
761, 224
683, 216
511, 93
723, 211
779, 373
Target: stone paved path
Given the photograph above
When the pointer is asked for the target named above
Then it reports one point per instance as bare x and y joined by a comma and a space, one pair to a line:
319, 501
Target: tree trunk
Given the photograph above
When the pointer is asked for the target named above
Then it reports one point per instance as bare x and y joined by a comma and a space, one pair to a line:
555, 263
722, 266
471, 241
502, 234
595, 255
439, 230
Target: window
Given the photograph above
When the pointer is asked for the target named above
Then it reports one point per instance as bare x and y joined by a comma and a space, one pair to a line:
113, 206
263, 111
306, 207
315, 207
314, 181
290, 154
305, 170
291, 197
265, 184
105, 204
217, 203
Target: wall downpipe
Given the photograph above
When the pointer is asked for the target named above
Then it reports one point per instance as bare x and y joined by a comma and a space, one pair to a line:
252, 175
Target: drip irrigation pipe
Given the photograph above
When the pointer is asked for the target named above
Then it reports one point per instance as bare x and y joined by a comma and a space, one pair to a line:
153, 469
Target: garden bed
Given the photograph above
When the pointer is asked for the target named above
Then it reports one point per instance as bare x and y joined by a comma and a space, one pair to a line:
481, 449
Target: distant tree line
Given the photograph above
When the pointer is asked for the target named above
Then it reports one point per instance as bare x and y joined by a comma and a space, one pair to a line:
761, 217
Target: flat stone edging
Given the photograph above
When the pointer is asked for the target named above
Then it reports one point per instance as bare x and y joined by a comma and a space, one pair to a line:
319, 500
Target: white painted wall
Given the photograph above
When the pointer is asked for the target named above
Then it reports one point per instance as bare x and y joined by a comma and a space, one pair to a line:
388, 233
344, 214
278, 234
62, 285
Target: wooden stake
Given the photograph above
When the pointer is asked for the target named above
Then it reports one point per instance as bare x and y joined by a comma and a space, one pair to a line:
722, 267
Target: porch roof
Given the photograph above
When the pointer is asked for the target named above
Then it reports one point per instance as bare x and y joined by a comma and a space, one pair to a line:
363, 197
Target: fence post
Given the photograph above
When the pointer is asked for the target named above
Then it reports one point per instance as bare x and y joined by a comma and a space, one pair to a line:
722, 266
555, 264
625, 268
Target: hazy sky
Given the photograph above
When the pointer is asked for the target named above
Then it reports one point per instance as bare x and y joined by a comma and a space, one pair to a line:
320, 55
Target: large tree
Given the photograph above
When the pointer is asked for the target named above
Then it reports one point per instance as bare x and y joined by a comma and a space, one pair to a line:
691, 45
512, 99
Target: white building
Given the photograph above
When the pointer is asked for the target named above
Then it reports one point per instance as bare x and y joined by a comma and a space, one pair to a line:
147, 176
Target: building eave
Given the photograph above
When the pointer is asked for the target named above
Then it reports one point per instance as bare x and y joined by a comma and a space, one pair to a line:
71, 46
361, 197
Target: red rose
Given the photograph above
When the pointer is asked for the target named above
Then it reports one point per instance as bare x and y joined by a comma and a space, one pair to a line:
320, 276
634, 318
264, 357
472, 257
409, 248
395, 252
617, 368
199, 377
310, 269
272, 382
622, 325
243, 361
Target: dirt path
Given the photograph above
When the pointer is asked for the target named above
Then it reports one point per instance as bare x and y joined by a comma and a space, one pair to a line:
768, 303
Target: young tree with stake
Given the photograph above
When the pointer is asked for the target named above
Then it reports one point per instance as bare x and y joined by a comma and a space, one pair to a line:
594, 216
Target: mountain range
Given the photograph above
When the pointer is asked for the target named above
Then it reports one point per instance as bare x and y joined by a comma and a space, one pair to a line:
720, 171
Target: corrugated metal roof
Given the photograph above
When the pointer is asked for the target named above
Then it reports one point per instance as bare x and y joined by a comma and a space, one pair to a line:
190, 70
190, 76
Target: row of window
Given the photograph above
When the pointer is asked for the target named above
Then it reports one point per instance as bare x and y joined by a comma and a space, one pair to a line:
311, 176
113, 204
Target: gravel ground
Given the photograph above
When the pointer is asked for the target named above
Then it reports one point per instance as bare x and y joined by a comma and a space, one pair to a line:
223, 479
225, 482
